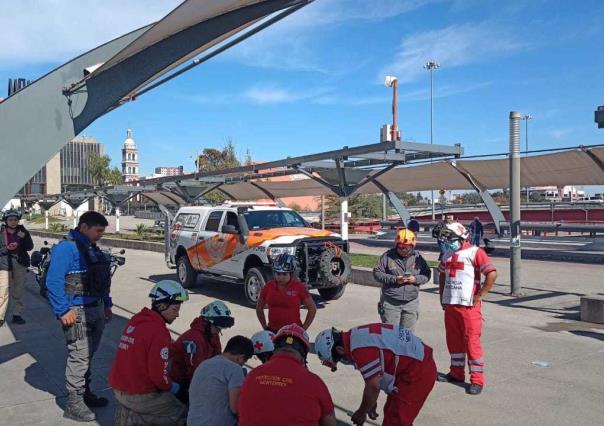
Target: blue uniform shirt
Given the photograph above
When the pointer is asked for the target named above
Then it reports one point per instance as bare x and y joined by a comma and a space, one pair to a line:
66, 260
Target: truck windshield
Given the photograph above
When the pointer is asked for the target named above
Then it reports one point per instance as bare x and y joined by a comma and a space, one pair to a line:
265, 219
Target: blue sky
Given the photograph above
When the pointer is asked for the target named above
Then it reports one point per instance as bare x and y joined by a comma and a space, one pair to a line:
314, 81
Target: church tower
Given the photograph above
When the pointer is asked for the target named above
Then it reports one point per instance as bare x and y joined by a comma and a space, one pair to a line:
130, 168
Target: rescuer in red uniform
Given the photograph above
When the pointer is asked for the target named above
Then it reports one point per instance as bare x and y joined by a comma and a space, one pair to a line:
461, 295
389, 358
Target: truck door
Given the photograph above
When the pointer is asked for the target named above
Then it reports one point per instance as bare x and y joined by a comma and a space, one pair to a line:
209, 241
228, 245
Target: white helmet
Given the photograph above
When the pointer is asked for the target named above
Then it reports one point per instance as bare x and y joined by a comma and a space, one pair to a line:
324, 343
218, 313
458, 230
168, 291
263, 342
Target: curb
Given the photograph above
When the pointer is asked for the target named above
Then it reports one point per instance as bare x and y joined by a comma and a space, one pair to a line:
111, 242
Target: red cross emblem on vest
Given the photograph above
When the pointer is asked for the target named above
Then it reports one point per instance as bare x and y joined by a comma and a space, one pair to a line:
454, 265
376, 328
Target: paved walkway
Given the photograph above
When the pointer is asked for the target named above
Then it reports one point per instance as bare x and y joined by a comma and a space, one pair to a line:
540, 327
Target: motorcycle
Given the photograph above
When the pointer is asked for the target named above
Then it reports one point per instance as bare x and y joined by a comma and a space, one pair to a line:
40, 261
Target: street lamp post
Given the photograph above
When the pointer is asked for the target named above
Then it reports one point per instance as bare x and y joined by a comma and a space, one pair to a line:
526, 118
431, 66
391, 81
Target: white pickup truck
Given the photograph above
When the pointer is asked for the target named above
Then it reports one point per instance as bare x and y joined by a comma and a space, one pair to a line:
239, 244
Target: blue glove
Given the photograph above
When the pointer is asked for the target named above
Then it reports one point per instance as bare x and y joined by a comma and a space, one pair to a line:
174, 388
244, 371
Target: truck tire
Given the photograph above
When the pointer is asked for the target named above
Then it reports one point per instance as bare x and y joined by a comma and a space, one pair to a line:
332, 293
335, 267
187, 276
255, 280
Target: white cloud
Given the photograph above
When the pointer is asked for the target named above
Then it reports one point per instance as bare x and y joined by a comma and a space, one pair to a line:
292, 43
56, 30
452, 46
559, 134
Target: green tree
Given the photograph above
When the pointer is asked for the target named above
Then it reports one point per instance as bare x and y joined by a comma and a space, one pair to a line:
212, 159
295, 207
365, 206
115, 177
471, 198
101, 172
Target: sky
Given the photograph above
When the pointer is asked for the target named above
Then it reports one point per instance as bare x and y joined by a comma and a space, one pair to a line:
315, 81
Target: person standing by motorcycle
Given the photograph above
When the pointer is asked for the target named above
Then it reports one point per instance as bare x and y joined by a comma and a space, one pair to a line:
79, 281
15, 242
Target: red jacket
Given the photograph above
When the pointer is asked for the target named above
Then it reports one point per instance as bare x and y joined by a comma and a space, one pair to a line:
141, 362
191, 349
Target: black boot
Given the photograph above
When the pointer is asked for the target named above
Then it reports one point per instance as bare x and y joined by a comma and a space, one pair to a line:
447, 378
94, 401
1, 323
75, 409
474, 389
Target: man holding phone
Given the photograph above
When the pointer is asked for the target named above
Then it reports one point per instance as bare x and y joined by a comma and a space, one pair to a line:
401, 270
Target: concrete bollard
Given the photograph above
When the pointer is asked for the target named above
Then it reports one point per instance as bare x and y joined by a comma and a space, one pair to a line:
592, 309
435, 276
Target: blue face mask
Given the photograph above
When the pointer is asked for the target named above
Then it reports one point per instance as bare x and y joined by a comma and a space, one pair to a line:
452, 245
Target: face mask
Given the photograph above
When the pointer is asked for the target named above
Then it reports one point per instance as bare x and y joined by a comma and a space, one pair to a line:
452, 245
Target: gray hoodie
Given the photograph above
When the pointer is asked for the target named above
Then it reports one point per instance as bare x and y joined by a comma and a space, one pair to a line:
391, 265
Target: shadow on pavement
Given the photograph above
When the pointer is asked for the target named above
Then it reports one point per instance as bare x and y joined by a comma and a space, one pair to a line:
226, 291
41, 338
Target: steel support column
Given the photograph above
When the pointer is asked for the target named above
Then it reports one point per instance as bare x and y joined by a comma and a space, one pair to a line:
344, 216
515, 248
487, 199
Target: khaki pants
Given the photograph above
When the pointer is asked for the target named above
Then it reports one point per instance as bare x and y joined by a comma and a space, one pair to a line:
11, 285
82, 339
158, 408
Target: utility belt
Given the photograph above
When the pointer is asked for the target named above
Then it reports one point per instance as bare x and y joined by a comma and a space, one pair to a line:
86, 284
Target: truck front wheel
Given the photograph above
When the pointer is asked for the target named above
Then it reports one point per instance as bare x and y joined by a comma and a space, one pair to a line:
332, 293
185, 272
255, 279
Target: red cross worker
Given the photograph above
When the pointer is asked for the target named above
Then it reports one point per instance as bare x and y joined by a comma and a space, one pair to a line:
390, 359
461, 292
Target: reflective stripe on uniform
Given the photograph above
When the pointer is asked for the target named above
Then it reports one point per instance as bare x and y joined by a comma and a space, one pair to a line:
475, 369
479, 361
458, 356
369, 365
370, 373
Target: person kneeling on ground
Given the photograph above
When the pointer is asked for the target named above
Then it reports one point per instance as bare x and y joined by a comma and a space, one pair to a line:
389, 358
214, 390
199, 343
263, 345
282, 391
139, 375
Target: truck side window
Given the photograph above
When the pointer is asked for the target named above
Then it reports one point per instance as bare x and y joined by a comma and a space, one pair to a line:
213, 222
231, 219
191, 221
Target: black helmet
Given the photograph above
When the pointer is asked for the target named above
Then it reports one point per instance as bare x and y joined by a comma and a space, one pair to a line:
11, 213
284, 263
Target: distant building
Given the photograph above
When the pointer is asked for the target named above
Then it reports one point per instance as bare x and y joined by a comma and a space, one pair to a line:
169, 171
130, 166
75, 155
67, 170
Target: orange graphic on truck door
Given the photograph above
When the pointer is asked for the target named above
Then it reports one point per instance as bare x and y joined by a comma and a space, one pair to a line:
213, 250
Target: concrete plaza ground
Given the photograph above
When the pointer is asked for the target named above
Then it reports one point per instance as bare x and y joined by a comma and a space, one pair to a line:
541, 326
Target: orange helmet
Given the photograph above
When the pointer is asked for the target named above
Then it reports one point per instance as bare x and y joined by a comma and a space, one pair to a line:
405, 237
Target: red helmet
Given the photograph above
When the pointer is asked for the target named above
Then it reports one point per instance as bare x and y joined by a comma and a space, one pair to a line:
293, 330
405, 237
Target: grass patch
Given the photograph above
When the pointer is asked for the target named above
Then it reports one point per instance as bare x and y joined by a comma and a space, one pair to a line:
369, 260
40, 218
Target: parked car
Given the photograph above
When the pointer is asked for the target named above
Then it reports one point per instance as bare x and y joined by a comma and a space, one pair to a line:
239, 243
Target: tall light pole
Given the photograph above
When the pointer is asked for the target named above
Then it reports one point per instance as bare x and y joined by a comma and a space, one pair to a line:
431, 66
391, 81
526, 118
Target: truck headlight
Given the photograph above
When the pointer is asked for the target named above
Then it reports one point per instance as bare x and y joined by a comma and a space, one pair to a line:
274, 252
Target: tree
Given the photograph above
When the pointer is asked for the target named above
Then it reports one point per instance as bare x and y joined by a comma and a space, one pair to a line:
471, 198
366, 206
212, 159
295, 207
98, 167
101, 172
115, 177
